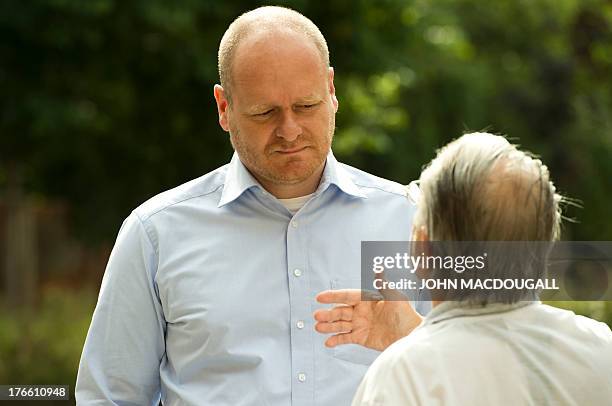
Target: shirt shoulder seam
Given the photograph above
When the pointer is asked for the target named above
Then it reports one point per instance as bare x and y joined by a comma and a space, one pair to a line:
149, 215
379, 188
146, 230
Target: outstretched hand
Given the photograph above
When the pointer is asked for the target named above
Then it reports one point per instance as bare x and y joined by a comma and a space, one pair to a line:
374, 323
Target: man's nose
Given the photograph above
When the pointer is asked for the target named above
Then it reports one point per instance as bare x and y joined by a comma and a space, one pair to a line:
289, 128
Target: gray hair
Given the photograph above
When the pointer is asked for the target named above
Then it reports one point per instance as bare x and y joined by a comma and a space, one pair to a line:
482, 188
266, 18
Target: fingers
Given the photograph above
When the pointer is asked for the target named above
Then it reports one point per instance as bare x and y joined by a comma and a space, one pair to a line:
335, 327
336, 320
337, 313
340, 339
346, 296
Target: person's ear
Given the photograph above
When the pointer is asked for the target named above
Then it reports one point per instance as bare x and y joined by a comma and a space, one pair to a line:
420, 247
222, 106
419, 233
332, 89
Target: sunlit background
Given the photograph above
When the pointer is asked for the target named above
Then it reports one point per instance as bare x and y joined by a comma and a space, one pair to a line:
105, 103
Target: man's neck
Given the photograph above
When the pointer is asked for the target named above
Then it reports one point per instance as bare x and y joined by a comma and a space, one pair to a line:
290, 191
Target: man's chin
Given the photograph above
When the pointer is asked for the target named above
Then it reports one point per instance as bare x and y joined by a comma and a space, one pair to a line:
290, 179
291, 174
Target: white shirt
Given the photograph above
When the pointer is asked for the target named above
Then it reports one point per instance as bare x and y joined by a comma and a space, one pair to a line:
521, 354
296, 203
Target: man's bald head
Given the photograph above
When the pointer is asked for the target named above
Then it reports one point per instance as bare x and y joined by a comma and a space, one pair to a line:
268, 20
482, 188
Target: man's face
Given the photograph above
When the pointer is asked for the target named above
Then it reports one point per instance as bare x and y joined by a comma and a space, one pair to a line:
282, 112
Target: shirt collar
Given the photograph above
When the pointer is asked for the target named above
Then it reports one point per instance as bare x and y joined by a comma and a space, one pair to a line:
335, 174
452, 309
238, 179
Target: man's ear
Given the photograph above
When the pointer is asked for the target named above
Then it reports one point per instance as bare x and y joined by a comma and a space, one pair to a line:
420, 241
222, 106
420, 247
419, 233
332, 89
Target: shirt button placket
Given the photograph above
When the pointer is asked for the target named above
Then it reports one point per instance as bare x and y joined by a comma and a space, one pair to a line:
299, 296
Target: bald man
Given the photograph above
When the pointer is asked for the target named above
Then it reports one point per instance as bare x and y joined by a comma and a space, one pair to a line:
208, 293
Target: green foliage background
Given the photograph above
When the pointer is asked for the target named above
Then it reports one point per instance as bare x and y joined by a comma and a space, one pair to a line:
106, 103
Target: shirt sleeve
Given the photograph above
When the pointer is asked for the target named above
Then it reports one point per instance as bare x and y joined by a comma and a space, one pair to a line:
121, 358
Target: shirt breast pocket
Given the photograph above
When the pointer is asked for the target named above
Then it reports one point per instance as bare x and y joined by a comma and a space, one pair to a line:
353, 353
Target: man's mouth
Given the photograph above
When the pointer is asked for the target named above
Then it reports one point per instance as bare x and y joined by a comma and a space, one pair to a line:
291, 150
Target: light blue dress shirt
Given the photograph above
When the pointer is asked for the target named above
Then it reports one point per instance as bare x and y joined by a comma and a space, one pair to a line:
209, 292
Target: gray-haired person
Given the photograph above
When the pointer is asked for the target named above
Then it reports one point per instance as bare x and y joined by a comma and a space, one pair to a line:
475, 349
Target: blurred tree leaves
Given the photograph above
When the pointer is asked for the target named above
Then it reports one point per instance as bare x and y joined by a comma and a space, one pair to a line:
106, 103
44, 347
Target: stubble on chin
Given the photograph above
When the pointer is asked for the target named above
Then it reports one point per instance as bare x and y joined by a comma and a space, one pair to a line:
272, 167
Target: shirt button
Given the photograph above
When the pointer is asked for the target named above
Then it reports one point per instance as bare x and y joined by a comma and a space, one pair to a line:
302, 377
300, 324
297, 272
294, 224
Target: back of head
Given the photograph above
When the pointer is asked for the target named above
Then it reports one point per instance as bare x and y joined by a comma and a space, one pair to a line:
482, 189
265, 19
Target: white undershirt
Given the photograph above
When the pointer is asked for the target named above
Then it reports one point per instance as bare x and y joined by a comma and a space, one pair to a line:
296, 203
